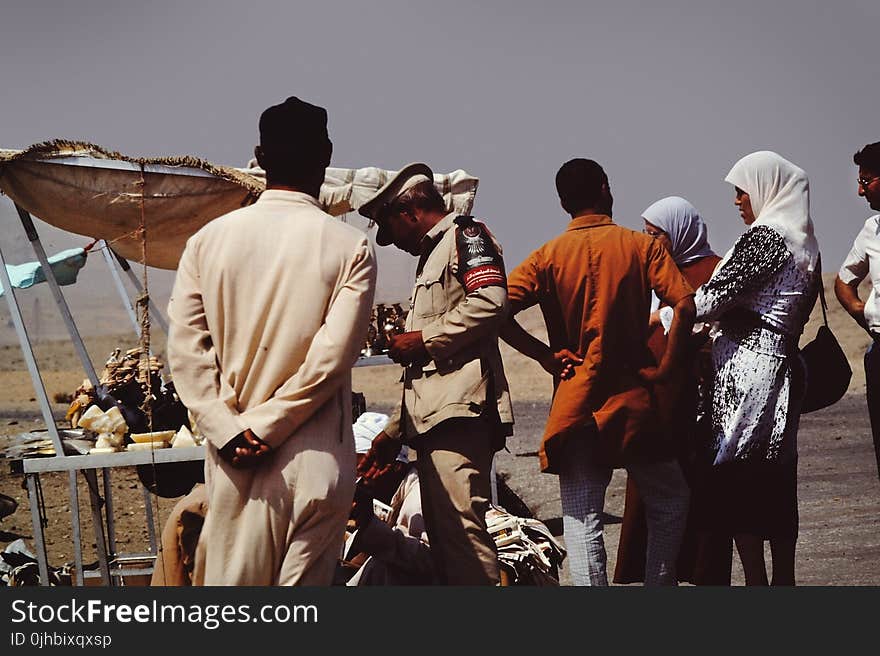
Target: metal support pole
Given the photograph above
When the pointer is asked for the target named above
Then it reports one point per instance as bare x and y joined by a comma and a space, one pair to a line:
78, 345
155, 314
151, 525
28, 352
108, 513
98, 523
120, 286
126, 301
77, 536
86, 361
45, 409
42, 565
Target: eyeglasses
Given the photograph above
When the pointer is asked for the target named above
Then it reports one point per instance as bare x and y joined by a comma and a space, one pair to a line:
653, 233
865, 182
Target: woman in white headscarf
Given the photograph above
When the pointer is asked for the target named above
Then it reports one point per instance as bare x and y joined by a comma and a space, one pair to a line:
705, 558
761, 295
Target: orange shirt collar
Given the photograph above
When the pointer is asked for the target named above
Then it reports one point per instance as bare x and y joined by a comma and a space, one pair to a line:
589, 221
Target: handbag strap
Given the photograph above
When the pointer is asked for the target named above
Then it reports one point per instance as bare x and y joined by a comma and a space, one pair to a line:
822, 291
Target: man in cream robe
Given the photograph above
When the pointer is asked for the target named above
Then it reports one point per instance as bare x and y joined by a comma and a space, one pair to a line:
269, 312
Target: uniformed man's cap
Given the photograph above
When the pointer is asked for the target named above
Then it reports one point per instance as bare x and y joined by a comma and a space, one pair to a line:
376, 207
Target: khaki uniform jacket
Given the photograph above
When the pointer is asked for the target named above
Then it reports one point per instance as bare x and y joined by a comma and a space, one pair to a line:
465, 376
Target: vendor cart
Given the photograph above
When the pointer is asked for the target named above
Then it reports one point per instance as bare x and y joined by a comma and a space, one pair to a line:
142, 211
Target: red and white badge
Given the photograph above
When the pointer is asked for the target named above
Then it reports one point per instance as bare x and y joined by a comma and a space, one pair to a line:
479, 263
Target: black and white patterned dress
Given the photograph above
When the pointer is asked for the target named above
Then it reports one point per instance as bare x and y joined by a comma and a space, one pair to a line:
761, 300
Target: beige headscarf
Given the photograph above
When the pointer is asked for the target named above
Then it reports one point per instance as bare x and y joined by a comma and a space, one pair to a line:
780, 195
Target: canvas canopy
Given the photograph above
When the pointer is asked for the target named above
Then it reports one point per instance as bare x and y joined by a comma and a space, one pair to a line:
88, 190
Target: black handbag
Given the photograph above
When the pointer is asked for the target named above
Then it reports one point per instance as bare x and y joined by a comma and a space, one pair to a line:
827, 369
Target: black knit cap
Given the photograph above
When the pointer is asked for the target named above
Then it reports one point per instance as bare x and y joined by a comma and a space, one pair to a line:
294, 127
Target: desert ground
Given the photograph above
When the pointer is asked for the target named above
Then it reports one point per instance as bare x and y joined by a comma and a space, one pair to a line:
839, 489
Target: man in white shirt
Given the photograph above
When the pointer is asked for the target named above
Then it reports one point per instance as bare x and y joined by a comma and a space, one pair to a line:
864, 260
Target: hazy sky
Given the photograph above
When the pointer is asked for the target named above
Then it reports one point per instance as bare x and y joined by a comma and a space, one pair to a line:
665, 95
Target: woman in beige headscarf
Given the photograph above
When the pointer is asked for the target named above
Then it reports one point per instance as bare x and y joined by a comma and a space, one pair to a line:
761, 294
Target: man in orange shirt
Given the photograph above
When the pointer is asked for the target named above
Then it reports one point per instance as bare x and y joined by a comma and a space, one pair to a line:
593, 283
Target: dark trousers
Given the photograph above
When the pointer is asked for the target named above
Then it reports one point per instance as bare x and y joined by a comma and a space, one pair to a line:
872, 391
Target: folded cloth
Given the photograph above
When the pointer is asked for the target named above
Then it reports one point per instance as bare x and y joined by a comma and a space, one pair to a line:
65, 265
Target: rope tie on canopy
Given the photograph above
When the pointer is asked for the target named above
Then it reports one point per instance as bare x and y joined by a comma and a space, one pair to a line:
143, 309
142, 304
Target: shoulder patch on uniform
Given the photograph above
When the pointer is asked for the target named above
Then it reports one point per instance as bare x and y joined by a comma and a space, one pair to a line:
479, 262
